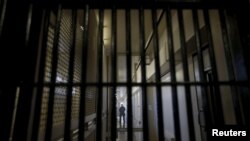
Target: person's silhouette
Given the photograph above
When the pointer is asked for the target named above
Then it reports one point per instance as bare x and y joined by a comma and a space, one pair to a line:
122, 114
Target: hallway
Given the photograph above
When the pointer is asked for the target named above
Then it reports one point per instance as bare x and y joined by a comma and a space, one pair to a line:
178, 68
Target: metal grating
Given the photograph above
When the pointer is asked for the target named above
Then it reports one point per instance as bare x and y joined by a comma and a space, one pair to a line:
90, 101
47, 77
62, 76
62, 67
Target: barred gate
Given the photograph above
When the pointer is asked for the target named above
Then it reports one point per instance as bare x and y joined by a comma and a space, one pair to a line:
181, 65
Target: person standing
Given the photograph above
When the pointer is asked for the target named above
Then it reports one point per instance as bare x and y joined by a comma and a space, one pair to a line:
122, 114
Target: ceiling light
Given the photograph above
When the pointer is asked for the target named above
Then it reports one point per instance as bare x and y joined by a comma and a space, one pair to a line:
82, 28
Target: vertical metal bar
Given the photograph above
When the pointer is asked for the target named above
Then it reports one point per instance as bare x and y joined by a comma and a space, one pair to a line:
67, 126
198, 45
172, 74
14, 113
100, 75
28, 26
9, 71
2, 16
216, 96
26, 21
157, 76
81, 132
226, 45
231, 74
150, 38
151, 35
38, 103
49, 125
201, 68
21, 124
8, 97
186, 76
113, 73
143, 75
129, 76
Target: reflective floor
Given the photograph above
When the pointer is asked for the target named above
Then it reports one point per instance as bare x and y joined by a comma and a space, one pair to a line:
122, 136
122, 132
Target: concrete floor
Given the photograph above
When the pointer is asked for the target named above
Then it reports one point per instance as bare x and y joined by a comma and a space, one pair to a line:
122, 132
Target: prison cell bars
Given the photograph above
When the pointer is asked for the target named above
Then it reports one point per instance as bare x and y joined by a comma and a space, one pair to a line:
3, 5
217, 107
81, 125
200, 59
49, 125
113, 73
31, 28
170, 53
38, 101
48, 135
143, 75
67, 126
100, 79
231, 74
157, 75
184, 59
172, 75
129, 76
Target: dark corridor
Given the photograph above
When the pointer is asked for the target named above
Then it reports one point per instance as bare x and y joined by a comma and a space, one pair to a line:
180, 68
